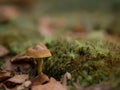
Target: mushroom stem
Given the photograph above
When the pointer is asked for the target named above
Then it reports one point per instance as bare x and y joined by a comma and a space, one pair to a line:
40, 63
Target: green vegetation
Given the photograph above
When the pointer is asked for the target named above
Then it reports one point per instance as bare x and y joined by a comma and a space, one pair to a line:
89, 62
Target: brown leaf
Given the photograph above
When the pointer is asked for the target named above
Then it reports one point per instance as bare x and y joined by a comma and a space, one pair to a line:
7, 13
23, 68
8, 66
16, 80
3, 51
23, 59
5, 75
51, 85
24, 86
24, 64
40, 79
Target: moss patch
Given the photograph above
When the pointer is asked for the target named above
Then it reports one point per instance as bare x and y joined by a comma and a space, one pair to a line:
89, 62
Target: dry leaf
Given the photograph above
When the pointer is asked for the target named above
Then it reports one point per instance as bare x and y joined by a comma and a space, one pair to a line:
18, 68
7, 13
8, 66
40, 80
3, 51
24, 86
23, 59
24, 63
51, 85
16, 80
5, 75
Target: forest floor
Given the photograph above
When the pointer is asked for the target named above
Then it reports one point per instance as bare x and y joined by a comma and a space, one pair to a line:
83, 54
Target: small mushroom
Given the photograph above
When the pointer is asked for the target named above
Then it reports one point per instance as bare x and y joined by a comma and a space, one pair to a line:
38, 52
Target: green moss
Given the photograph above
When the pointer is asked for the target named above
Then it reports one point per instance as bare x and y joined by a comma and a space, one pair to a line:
89, 62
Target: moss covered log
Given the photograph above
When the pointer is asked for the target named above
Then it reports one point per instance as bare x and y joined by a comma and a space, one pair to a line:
89, 62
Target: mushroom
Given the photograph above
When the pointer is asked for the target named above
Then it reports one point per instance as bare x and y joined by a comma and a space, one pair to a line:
38, 52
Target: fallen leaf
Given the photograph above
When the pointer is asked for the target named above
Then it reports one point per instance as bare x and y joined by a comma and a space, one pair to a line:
20, 59
17, 68
24, 86
40, 79
23, 59
51, 85
8, 13
3, 51
16, 80
5, 75
8, 66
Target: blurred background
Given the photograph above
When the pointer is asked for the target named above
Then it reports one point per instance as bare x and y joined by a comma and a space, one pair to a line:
27, 21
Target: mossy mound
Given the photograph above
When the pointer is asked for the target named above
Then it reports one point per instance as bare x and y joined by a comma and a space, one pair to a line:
89, 62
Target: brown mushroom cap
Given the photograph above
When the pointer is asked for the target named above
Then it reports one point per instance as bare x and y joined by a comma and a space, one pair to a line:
39, 51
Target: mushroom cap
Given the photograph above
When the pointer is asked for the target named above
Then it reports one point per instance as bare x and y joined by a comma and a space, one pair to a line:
39, 51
